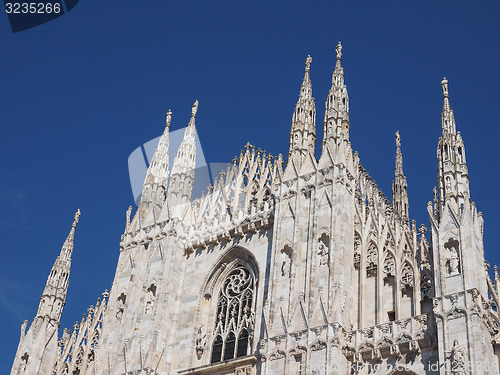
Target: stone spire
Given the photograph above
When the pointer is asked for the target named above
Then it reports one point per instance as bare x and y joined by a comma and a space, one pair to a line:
56, 288
399, 185
453, 178
336, 122
303, 130
155, 184
183, 168
38, 347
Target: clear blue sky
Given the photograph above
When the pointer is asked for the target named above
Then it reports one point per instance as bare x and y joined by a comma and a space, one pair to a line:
80, 93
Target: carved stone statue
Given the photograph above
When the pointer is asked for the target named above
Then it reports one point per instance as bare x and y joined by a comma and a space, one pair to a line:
201, 341
285, 264
308, 63
150, 300
194, 110
338, 49
457, 359
121, 307
453, 261
323, 253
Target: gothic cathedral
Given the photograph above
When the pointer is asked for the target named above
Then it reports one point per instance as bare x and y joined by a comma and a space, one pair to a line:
297, 267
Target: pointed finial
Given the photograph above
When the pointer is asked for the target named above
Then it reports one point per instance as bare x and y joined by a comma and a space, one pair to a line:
308, 63
339, 50
398, 139
169, 118
194, 110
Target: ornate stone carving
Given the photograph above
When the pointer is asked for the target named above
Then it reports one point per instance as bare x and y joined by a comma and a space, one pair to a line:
457, 359
201, 341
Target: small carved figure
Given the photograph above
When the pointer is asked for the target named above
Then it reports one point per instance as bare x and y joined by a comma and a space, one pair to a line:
322, 252
308, 62
453, 261
201, 341
121, 306
194, 110
150, 299
457, 359
285, 264
24, 362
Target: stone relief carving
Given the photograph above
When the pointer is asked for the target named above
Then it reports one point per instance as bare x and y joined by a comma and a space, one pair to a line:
389, 267
407, 277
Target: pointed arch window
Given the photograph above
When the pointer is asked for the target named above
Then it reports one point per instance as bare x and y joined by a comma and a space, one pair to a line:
234, 320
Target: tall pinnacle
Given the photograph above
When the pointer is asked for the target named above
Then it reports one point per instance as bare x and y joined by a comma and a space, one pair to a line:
155, 184
56, 288
303, 130
336, 121
447, 117
183, 169
158, 168
399, 185
453, 179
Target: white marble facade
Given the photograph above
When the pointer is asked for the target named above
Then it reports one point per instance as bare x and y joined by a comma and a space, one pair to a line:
303, 267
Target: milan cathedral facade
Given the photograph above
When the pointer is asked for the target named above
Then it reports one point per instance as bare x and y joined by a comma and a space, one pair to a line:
296, 267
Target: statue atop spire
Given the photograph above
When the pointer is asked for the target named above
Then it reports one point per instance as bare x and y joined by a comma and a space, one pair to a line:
169, 118
398, 141
339, 51
308, 63
194, 110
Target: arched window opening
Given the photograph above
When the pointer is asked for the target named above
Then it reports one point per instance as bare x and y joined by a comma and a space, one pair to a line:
242, 344
217, 349
234, 319
230, 344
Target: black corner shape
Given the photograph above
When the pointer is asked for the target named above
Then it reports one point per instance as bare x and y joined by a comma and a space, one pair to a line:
25, 14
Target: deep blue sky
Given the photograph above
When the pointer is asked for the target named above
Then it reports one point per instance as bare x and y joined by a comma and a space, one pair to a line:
80, 93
